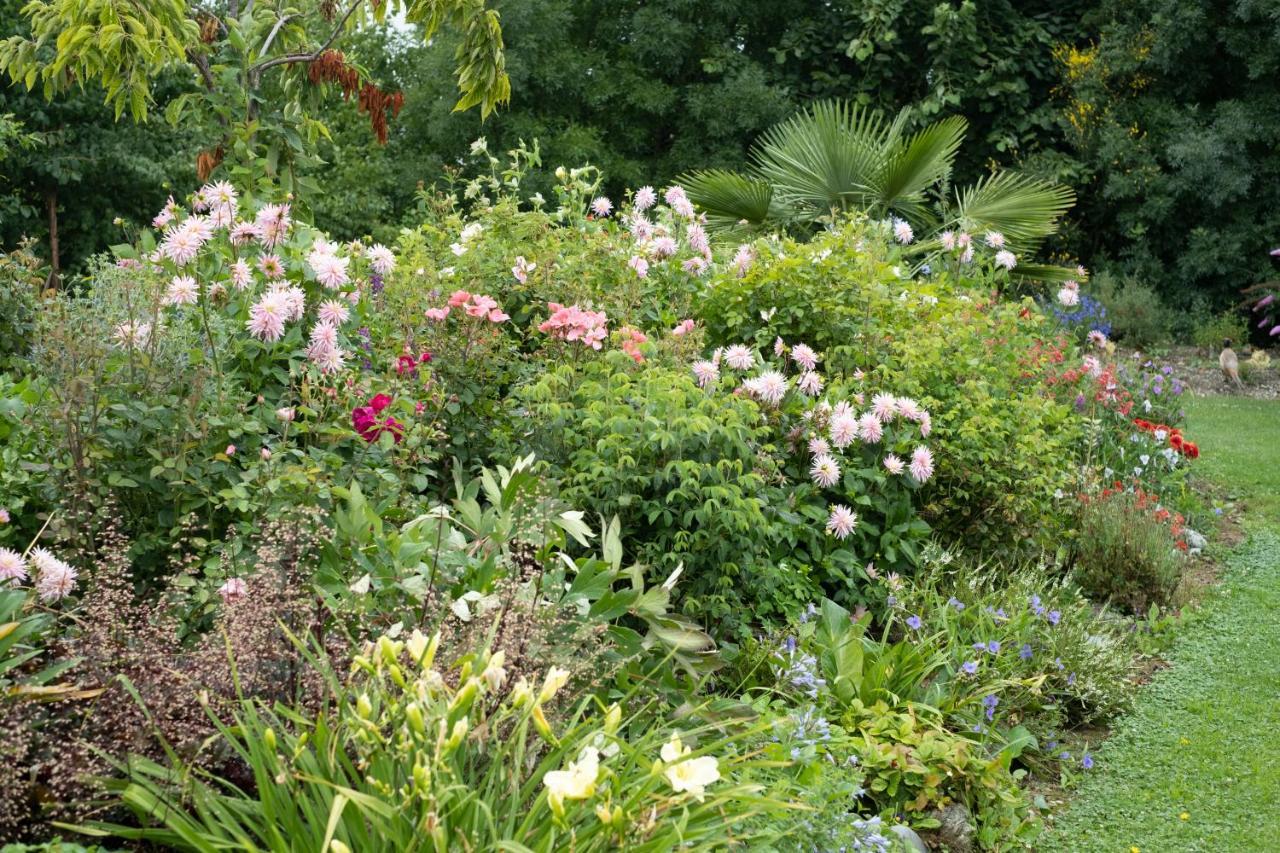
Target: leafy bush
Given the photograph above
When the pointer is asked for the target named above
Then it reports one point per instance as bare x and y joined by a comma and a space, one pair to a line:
20, 282
1139, 318
1127, 550
684, 471
1211, 332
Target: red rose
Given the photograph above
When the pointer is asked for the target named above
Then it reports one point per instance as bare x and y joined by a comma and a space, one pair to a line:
379, 402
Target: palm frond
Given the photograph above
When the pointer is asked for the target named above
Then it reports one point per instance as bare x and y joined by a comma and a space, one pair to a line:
1025, 210
826, 158
1044, 272
914, 165
731, 199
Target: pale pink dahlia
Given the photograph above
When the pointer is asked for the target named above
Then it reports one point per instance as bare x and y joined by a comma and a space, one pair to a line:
233, 590
241, 275
706, 372
769, 387
902, 231
841, 521
271, 267
818, 446
333, 311
182, 291
639, 265
921, 464
994, 239
884, 406
381, 259
739, 357
870, 428
825, 470
601, 206
1006, 259
13, 566
54, 578
810, 383
267, 317
803, 355
893, 464
331, 270
844, 430
645, 198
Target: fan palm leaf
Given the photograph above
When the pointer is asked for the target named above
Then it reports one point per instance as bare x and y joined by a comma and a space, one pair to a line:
733, 200
914, 165
1025, 210
827, 157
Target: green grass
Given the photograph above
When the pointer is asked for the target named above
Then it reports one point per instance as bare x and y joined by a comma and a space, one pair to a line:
1239, 443
1204, 739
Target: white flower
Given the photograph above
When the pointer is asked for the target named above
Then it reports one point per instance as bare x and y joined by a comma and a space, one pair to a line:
994, 239
688, 775
576, 782
471, 232
458, 249
902, 231
1006, 259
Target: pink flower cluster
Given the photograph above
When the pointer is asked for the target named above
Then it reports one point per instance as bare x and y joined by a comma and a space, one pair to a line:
366, 420
54, 578
473, 305
632, 338
571, 323
407, 362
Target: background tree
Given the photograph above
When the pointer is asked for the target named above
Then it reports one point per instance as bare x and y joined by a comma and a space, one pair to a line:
1173, 117
260, 66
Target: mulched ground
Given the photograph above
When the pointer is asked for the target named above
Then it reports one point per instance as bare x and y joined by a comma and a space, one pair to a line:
1200, 373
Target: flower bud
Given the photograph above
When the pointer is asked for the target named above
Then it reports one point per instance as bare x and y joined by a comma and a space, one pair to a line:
364, 708
269, 738
413, 714
612, 719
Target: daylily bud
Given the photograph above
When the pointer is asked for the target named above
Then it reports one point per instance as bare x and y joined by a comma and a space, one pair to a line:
612, 719
540, 723
269, 738
364, 708
414, 715
521, 694
456, 736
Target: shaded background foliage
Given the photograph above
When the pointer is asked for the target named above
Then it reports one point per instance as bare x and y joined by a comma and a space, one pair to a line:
1160, 114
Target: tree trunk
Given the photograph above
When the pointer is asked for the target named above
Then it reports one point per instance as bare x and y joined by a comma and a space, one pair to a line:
55, 274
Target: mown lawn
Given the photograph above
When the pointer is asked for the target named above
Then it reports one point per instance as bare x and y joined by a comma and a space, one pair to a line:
1196, 766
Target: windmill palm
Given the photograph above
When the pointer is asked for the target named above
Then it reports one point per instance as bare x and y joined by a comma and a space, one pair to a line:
835, 158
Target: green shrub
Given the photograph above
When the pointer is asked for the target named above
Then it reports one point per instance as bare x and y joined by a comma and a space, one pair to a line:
1138, 317
688, 474
20, 281
1126, 553
1211, 332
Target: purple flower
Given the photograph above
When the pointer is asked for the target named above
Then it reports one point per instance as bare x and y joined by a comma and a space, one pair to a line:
1080, 402
989, 703
914, 623
1055, 616
1065, 756
956, 603
1025, 652
1071, 679
1058, 662
1087, 761
970, 666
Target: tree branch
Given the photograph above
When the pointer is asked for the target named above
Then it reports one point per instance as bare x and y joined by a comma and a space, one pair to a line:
256, 71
